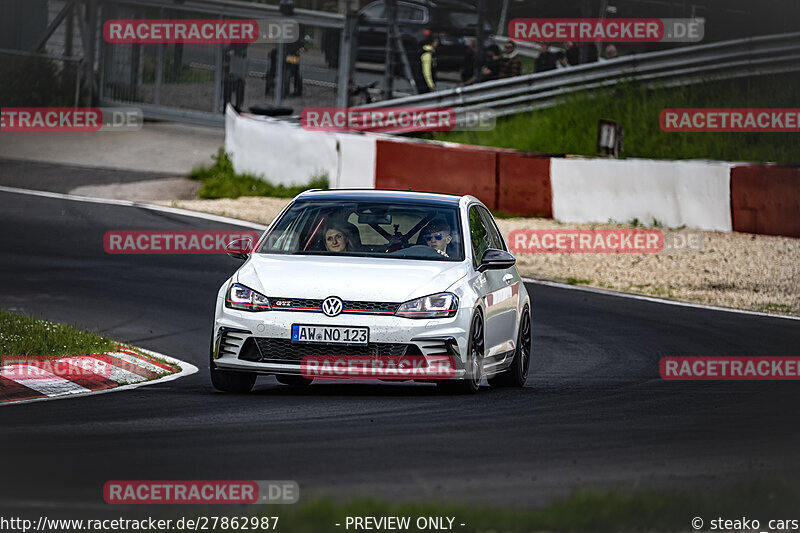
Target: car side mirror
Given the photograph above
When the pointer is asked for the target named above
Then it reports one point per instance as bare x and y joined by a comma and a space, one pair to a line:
239, 248
494, 259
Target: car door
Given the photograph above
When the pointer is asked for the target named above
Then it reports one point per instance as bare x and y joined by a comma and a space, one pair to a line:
488, 284
507, 297
372, 32
413, 21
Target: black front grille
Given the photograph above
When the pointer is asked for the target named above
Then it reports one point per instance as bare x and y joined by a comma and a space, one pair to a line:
282, 350
315, 306
372, 307
295, 304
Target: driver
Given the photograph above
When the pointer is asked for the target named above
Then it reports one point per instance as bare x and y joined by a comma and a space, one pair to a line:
337, 238
437, 236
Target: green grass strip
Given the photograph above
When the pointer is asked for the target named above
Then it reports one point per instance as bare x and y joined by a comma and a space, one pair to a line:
571, 126
584, 511
221, 181
25, 335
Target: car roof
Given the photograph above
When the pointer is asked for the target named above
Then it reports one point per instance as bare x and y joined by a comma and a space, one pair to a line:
441, 4
366, 195
454, 4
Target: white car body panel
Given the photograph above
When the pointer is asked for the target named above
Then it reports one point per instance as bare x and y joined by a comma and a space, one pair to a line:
499, 295
349, 278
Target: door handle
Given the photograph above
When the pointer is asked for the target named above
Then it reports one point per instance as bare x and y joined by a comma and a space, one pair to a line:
508, 278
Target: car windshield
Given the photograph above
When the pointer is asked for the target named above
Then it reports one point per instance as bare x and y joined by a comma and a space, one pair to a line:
367, 229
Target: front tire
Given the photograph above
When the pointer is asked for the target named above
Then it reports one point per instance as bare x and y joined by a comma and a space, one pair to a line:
236, 382
474, 364
516, 374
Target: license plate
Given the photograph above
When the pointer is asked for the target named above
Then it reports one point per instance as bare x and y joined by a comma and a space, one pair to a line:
330, 334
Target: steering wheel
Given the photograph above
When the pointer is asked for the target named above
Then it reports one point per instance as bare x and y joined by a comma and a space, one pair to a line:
419, 251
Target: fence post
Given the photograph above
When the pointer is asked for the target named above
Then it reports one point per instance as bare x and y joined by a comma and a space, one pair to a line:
159, 65
480, 41
388, 73
280, 70
89, 53
347, 52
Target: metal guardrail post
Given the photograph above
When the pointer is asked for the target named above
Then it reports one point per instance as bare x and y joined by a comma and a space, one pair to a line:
502, 26
78, 69
280, 68
218, 106
404, 59
347, 50
480, 41
388, 64
89, 52
159, 66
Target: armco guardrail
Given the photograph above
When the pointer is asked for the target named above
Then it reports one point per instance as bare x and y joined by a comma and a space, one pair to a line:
692, 64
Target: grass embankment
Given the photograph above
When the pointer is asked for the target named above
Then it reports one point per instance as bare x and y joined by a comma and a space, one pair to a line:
25, 335
571, 126
584, 511
221, 181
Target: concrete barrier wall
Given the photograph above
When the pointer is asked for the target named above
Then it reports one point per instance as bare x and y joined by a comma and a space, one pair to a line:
675, 193
766, 199
437, 167
523, 183
357, 161
698, 194
286, 154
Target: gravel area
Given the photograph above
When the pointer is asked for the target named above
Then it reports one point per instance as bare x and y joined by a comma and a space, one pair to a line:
253, 209
736, 270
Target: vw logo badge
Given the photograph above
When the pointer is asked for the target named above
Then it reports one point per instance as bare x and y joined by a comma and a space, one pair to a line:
332, 306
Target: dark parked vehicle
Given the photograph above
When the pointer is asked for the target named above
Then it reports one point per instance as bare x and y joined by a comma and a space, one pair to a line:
450, 20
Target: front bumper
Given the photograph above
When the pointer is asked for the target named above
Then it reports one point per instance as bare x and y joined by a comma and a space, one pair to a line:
261, 342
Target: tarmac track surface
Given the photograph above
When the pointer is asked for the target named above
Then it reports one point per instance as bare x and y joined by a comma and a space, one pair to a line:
593, 413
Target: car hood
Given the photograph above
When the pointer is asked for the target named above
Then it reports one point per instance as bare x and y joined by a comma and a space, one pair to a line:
349, 278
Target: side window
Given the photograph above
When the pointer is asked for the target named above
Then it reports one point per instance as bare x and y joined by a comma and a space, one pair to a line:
410, 13
495, 238
478, 235
375, 11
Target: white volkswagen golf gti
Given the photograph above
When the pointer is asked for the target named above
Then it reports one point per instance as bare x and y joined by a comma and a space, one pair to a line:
374, 284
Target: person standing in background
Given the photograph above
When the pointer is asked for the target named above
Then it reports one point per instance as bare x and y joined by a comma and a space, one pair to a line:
546, 60
468, 66
493, 64
561, 60
510, 65
293, 74
572, 53
428, 66
235, 66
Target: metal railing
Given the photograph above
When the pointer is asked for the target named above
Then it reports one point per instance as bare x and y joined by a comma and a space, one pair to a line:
190, 83
753, 56
235, 8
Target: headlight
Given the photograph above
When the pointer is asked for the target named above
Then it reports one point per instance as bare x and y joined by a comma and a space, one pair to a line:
442, 305
246, 299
